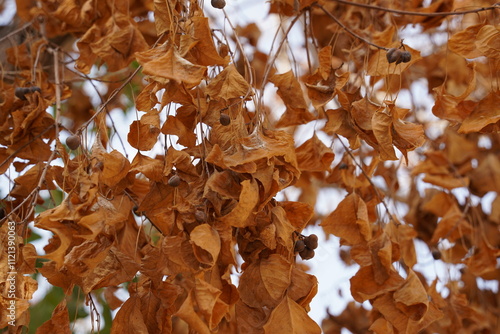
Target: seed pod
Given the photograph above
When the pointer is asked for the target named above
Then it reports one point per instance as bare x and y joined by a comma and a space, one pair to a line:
73, 142
20, 92
436, 254
394, 55
174, 181
311, 241
299, 246
307, 254
200, 216
218, 4
224, 119
405, 56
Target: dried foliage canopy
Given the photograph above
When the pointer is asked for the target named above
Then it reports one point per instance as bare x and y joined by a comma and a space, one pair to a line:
166, 208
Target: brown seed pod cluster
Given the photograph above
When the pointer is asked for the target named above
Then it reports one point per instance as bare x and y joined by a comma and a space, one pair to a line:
397, 56
73, 142
218, 4
306, 245
20, 92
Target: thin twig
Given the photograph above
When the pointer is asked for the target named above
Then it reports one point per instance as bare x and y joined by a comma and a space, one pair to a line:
381, 200
275, 55
102, 107
347, 29
115, 93
404, 12
18, 30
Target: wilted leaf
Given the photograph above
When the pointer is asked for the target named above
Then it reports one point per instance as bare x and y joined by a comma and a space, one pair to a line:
290, 317
382, 129
207, 239
264, 282
412, 298
59, 321
364, 287
129, 318
115, 43
463, 42
143, 134
173, 126
485, 112
249, 198
314, 156
165, 62
349, 221
189, 314
488, 41
229, 84
291, 93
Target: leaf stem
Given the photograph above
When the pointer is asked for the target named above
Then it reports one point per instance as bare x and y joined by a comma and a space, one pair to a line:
375, 189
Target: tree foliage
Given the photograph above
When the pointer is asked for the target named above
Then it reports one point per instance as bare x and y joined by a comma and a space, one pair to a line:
168, 206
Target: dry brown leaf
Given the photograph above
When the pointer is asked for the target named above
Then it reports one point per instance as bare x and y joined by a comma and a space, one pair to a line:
265, 282
229, 84
204, 51
291, 93
290, 317
382, 129
173, 126
149, 167
207, 244
485, 113
59, 321
452, 226
314, 156
209, 304
303, 287
364, 286
129, 318
241, 215
143, 134
411, 298
165, 63
115, 42
349, 221
455, 108
488, 41
463, 42
298, 213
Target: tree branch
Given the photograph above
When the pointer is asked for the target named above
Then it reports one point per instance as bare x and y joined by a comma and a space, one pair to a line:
404, 12
347, 29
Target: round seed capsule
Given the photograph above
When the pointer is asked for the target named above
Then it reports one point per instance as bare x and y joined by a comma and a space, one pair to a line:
73, 142
174, 181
